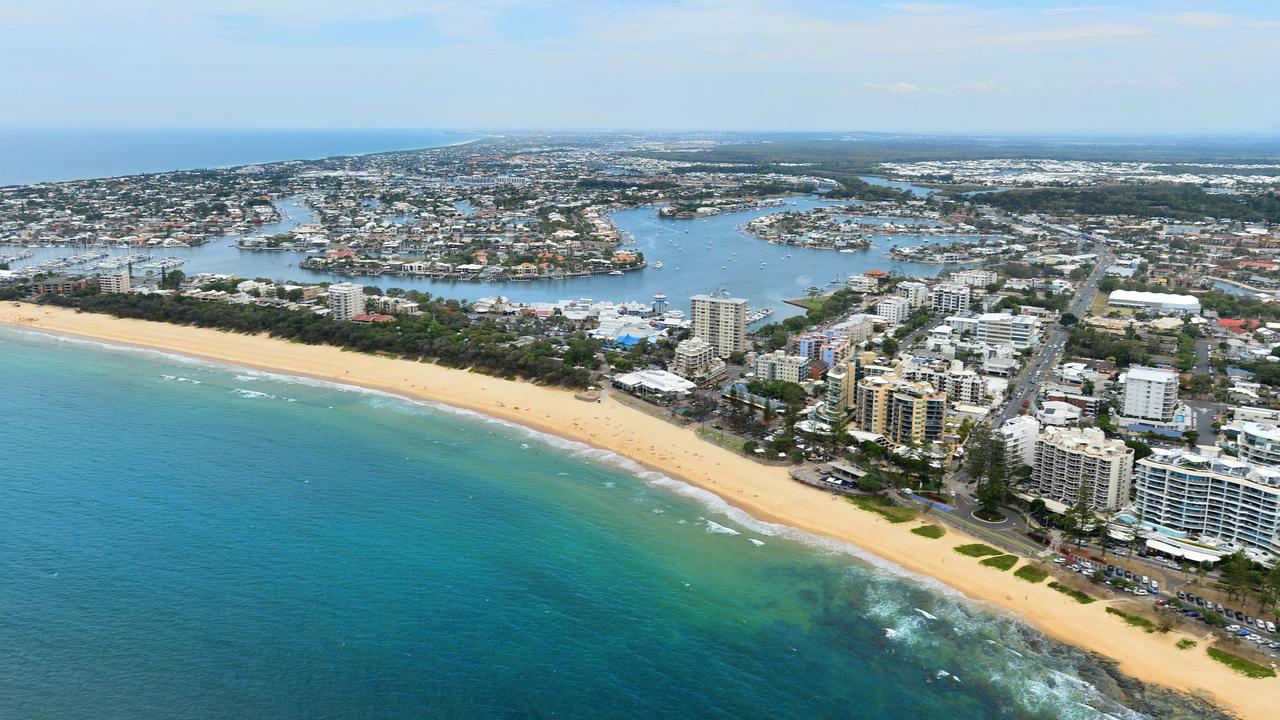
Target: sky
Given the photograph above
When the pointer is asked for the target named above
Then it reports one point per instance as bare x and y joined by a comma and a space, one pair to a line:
823, 65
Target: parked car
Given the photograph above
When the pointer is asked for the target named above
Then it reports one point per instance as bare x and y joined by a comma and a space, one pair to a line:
1271, 627
1182, 595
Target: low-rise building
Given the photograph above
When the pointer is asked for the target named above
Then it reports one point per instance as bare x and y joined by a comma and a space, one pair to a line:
778, 365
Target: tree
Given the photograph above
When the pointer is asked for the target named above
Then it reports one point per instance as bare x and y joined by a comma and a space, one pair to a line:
1078, 521
1068, 319
172, 280
1191, 436
889, 346
1235, 574
838, 438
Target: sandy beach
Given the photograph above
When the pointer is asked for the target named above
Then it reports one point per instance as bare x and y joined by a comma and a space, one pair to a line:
766, 493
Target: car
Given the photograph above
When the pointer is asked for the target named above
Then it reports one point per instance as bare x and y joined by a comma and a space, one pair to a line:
1139, 591
1145, 579
1059, 560
1199, 601
1239, 616
1219, 607
1262, 624
1182, 595
1155, 586
1274, 645
1271, 627
1232, 627
1248, 619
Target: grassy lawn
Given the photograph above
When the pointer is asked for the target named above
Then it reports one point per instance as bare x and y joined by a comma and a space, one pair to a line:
1001, 562
1076, 595
1240, 665
1031, 573
977, 550
1185, 644
809, 303
1134, 620
932, 532
721, 439
885, 508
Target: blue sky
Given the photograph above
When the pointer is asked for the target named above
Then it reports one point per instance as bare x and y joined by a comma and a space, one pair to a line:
1158, 67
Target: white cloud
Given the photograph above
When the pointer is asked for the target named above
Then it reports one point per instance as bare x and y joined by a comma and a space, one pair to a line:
901, 87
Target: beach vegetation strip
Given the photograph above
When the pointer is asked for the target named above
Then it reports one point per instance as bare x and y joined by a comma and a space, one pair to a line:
1001, 562
977, 550
1082, 598
933, 532
1134, 620
1031, 573
885, 508
1245, 667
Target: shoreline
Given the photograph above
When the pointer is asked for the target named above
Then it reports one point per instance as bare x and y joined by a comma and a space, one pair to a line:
766, 494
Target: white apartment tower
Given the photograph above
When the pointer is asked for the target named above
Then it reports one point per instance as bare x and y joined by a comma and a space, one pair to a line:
114, 283
1069, 461
721, 321
894, 309
346, 300
949, 298
1150, 394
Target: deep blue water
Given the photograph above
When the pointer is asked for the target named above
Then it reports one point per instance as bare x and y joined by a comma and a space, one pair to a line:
29, 155
185, 540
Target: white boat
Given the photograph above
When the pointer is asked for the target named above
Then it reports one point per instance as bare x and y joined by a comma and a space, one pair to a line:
657, 265
616, 272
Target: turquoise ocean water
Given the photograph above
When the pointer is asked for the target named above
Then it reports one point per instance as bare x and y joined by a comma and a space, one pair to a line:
185, 540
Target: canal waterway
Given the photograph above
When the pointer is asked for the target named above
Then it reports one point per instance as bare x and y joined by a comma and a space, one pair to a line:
697, 256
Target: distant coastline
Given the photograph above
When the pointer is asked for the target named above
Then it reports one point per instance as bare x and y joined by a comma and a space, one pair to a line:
765, 493
38, 155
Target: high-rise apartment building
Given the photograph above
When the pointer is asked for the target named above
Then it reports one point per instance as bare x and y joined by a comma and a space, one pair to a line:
721, 321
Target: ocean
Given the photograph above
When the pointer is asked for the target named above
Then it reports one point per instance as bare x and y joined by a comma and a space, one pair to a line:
34, 155
181, 539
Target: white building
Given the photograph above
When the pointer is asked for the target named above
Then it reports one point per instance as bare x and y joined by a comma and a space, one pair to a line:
1257, 443
1022, 332
916, 293
346, 300
862, 283
949, 297
1224, 499
894, 309
778, 365
696, 358
1150, 394
114, 283
975, 278
1072, 461
1163, 303
1019, 435
721, 321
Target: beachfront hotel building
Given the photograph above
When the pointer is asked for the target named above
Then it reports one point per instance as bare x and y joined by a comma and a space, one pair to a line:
696, 359
346, 300
1257, 443
904, 412
721, 321
114, 283
1019, 435
1186, 494
1150, 394
1070, 462
835, 401
778, 365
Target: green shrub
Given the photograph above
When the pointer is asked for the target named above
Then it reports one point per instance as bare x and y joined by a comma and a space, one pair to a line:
1134, 620
1185, 644
885, 508
1247, 668
976, 550
1031, 573
932, 532
1076, 595
1001, 562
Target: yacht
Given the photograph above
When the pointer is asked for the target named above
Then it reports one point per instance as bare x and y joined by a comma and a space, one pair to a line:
657, 265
